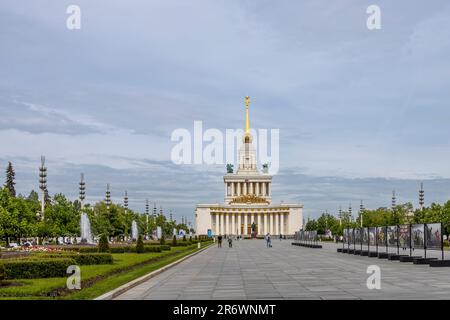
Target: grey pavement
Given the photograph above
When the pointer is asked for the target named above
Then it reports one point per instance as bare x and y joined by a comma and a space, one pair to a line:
249, 270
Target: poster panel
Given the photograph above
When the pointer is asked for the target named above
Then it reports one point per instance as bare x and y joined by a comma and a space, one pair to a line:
350, 236
345, 235
358, 236
404, 236
418, 236
392, 236
381, 236
158, 232
372, 236
433, 234
365, 236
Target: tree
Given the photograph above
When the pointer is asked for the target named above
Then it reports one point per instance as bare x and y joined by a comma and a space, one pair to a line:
140, 244
10, 177
103, 244
174, 241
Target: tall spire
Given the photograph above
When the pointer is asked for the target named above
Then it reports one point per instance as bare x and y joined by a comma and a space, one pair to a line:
247, 123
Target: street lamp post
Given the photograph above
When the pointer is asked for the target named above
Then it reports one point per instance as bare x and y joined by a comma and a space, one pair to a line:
43, 184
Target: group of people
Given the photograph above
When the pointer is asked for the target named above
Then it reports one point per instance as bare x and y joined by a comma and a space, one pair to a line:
267, 238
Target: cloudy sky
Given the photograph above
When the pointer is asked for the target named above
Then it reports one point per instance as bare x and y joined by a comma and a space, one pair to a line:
360, 112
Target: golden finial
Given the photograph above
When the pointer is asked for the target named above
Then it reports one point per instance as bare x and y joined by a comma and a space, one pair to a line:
247, 124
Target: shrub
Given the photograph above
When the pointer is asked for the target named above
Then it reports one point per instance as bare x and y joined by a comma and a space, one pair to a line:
165, 248
35, 268
140, 245
119, 249
80, 258
195, 237
184, 238
103, 244
174, 241
93, 258
162, 241
88, 250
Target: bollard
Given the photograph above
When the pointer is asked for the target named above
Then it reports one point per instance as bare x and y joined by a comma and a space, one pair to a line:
198, 245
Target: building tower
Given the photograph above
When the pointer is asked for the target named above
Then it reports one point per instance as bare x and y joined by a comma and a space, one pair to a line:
421, 196
82, 196
108, 197
43, 184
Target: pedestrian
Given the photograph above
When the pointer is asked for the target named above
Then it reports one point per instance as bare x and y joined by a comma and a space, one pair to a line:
219, 241
281, 236
269, 241
230, 242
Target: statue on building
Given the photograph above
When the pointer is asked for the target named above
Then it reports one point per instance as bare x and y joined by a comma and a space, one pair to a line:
230, 168
253, 230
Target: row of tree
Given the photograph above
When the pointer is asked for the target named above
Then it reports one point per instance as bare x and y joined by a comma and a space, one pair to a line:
400, 214
20, 217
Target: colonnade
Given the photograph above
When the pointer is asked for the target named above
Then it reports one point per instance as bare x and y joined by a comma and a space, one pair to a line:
262, 189
240, 223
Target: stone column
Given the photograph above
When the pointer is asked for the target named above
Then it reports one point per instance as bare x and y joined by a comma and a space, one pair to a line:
233, 224
269, 189
259, 224
282, 223
271, 223
257, 189
264, 189
245, 224
245, 188
238, 189
232, 188
265, 223
222, 230
226, 223
250, 184
277, 230
239, 223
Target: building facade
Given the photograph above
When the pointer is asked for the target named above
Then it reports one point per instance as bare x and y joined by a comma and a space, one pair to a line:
248, 206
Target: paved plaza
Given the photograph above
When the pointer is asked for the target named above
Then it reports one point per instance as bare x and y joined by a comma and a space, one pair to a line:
249, 270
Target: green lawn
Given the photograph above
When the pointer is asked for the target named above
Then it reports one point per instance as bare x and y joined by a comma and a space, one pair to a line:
97, 279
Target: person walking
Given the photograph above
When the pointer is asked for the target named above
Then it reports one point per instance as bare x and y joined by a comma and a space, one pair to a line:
269, 241
230, 242
281, 236
219, 241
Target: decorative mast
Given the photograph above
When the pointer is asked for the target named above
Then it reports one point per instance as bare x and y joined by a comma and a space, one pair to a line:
247, 124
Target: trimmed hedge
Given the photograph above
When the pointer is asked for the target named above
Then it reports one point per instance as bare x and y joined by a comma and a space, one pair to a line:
83, 258
87, 250
132, 249
35, 268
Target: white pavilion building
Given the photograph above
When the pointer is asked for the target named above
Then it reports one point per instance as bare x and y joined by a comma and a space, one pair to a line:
248, 201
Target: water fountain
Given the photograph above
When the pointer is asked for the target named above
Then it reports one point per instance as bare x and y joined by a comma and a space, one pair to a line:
134, 230
85, 226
